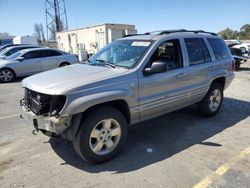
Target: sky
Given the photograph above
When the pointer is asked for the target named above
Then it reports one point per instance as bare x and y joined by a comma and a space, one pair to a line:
17, 17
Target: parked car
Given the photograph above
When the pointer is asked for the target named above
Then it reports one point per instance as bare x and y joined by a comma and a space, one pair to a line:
8, 45
238, 55
129, 81
30, 61
244, 47
13, 49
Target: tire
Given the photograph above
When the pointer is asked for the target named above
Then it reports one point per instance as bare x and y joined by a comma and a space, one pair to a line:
237, 65
64, 64
7, 75
94, 139
211, 103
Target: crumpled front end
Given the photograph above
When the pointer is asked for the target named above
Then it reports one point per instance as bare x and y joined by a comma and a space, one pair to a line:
43, 111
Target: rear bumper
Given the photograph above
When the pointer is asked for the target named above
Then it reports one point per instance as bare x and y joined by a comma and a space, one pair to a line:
229, 80
52, 124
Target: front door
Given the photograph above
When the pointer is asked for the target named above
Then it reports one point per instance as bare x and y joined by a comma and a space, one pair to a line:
164, 92
30, 64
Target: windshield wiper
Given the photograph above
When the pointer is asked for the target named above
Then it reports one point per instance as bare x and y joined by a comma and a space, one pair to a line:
105, 62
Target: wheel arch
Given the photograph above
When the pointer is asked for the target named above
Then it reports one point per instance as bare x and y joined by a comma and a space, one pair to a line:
9, 68
78, 118
220, 80
119, 104
64, 62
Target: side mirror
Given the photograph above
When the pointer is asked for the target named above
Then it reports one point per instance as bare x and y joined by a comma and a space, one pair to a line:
156, 67
20, 58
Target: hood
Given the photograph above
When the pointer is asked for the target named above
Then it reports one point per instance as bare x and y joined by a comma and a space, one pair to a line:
232, 44
61, 80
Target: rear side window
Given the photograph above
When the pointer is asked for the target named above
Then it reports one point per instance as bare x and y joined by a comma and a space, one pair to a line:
220, 50
49, 53
197, 51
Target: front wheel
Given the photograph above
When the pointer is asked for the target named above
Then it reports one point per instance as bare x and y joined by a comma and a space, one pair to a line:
101, 135
6, 75
211, 103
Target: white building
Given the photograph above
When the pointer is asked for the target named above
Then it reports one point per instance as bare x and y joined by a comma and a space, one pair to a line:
92, 38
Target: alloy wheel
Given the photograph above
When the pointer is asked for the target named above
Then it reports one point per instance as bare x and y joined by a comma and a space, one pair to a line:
215, 100
105, 136
6, 75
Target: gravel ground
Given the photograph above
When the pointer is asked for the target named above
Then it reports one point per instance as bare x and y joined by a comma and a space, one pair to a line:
187, 150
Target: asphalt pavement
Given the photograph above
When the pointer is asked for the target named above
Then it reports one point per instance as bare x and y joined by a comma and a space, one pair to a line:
180, 149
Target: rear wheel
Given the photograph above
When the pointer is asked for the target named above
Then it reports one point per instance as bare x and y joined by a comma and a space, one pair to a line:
6, 75
211, 103
101, 135
237, 65
64, 64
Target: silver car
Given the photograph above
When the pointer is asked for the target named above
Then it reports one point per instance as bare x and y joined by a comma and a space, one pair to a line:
31, 61
13, 49
129, 81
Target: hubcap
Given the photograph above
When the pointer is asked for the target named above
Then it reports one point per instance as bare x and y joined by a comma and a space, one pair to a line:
215, 100
105, 136
6, 75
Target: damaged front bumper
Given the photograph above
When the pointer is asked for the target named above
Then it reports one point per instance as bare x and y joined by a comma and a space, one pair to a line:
54, 125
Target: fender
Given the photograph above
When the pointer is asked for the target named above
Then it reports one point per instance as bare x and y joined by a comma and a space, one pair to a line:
81, 104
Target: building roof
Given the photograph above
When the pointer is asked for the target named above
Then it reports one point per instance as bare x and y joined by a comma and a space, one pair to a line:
97, 25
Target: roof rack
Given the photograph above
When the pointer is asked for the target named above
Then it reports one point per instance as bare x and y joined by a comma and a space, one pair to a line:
164, 32
180, 31
133, 35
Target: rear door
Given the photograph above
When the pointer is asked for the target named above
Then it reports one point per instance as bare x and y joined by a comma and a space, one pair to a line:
50, 59
199, 64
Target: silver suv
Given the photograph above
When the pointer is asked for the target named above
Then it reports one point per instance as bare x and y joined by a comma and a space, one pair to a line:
131, 80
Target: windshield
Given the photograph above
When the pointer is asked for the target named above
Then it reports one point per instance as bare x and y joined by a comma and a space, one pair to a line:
123, 53
4, 51
14, 56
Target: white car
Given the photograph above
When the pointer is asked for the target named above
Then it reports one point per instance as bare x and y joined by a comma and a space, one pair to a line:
13, 49
244, 47
30, 61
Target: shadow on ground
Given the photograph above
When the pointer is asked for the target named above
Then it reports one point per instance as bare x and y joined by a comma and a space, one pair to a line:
16, 80
166, 135
243, 69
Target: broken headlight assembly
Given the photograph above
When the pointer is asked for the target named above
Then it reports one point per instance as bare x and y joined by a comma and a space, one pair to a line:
43, 104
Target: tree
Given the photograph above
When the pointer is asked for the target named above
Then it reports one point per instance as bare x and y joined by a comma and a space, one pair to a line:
245, 32
228, 34
5, 34
55, 28
39, 32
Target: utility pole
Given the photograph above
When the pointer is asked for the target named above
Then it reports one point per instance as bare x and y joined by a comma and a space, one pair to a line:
56, 17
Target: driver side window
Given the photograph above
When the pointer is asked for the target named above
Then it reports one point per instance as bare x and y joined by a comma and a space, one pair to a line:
170, 53
31, 55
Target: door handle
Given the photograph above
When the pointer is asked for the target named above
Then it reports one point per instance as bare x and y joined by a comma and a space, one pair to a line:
180, 75
211, 68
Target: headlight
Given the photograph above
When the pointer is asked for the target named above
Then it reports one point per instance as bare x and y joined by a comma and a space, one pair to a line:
43, 104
